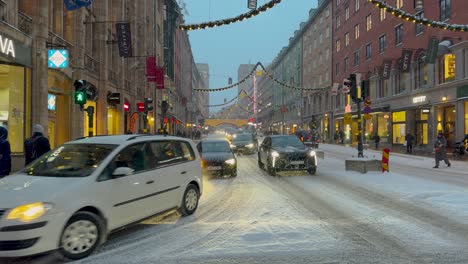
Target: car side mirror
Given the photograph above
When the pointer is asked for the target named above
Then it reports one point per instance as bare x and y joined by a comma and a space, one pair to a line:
122, 171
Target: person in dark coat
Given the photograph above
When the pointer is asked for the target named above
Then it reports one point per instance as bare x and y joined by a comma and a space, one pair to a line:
5, 153
37, 145
440, 148
376, 138
409, 143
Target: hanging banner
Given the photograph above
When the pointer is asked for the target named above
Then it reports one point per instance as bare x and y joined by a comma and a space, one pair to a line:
432, 49
386, 68
124, 39
405, 60
76, 4
159, 78
151, 69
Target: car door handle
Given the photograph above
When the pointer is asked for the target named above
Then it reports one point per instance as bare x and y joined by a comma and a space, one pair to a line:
184, 172
149, 182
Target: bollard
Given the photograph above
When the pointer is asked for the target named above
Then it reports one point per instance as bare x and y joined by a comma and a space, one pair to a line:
385, 160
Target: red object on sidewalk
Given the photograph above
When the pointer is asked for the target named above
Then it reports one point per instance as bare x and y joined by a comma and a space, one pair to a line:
385, 160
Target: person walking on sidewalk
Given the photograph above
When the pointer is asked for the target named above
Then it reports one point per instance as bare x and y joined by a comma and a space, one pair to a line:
5, 153
37, 145
409, 143
440, 148
376, 138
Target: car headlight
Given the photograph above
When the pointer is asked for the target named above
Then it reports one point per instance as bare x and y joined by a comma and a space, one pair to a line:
312, 153
232, 145
29, 212
274, 154
251, 145
231, 161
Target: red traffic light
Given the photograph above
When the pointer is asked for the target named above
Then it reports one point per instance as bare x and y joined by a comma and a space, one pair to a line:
251, 120
165, 120
141, 107
126, 107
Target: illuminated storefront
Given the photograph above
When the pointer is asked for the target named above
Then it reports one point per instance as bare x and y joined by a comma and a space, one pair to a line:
58, 106
398, 127
15, 91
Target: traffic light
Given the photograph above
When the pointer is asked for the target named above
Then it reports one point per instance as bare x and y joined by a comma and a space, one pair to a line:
80, 98
80, 85
353, 92
365, 88
148, 106
164, 106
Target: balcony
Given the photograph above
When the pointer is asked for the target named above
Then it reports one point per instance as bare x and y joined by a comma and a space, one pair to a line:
25, 23
92, 65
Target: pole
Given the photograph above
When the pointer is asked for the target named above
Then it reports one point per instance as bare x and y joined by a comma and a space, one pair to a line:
360, 146
90, 111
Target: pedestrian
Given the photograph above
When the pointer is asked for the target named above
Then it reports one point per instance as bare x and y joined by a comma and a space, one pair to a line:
440, 149
336, 137
409, 138
376, 138
36, 145
5, 153
342, 137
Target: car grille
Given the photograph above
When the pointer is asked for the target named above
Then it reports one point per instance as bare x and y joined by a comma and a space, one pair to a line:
295, 156
214, 163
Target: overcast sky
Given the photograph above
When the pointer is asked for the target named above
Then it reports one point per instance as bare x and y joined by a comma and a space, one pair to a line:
257, 39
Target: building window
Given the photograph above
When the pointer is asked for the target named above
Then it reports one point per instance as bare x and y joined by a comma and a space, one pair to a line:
399, 4
382, 43
338, 2
356, 58
338, 45
327, 13
399, 127
368, 22
399, 34
368, 51
383, 14
337, 21
346, 63
337, 68
401, 81
422, 75
346, 13
418, 28
320, 38
445, 9
327, 54
356, 31
383, 88
447, 68
327, 32
356, 5
346, 39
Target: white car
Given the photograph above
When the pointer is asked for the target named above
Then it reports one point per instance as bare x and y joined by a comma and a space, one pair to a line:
71, 198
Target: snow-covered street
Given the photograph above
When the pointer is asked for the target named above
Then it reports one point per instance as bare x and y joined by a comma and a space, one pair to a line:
414, 214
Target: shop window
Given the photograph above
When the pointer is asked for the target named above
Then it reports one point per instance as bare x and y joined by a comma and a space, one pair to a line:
382, 125
12, 106
399, 127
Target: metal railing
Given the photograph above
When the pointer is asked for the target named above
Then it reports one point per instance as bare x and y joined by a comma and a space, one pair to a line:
24, 23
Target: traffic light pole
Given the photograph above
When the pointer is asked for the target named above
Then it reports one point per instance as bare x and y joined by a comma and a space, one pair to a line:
360, 146
90, 111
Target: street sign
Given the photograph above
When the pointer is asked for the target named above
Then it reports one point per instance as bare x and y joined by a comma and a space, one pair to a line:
367, 110
58, 59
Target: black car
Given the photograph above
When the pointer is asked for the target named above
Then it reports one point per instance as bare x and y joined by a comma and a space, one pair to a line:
244, 143
217, 158
286, 153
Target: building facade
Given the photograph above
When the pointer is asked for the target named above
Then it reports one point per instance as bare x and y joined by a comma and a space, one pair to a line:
412, 91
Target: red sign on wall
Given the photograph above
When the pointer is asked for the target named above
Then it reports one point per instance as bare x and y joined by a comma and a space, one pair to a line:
159, 78
141, 107
151, 69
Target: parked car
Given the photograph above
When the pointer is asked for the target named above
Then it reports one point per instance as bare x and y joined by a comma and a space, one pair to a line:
244, 143
72, 197
217, 158
286, 153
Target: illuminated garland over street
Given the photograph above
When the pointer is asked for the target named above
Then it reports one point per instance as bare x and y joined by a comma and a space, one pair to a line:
287, 85
228, 102
420, 20
230, 86
228, 21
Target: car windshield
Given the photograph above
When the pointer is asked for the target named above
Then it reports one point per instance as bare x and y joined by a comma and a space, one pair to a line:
287, 141
215, 147
70, 160
243, 137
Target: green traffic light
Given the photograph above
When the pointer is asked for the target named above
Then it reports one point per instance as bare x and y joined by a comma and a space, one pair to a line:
80, 98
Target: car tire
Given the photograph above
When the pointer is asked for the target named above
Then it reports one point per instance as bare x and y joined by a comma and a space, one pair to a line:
270, 169
312, 171
81, 236
260, 163
234, 173
190, 200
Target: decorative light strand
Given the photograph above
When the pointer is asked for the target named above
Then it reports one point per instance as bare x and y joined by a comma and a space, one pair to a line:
228, 102
420, 20
228, 21
230, 86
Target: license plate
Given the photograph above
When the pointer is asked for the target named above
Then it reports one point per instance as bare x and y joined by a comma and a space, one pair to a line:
214, 168
297, 162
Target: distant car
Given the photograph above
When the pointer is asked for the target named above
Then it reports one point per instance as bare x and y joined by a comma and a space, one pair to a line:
217, 158
244, 143
308, 138
286, 153
72, 197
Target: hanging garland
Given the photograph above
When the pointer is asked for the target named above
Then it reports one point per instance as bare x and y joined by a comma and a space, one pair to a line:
228, 102
287, 85
228, 21
230, 86
420, 20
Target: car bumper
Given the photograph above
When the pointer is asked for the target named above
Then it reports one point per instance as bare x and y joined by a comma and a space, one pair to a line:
223, 171
19, 239
287, 165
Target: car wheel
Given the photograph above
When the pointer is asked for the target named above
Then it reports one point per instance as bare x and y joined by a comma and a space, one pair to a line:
260, 163
190, 200
312, 171
271, 170
234, 173
81, 236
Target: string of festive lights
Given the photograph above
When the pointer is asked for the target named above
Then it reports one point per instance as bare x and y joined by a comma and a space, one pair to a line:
228, 102
287, 85
420, 20
230, 86
228, 21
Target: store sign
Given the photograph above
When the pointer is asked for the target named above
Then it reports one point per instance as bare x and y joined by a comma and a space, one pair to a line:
7, 46
58, 59
124, 39
419, 99
51, 102
386, 67
405, 60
